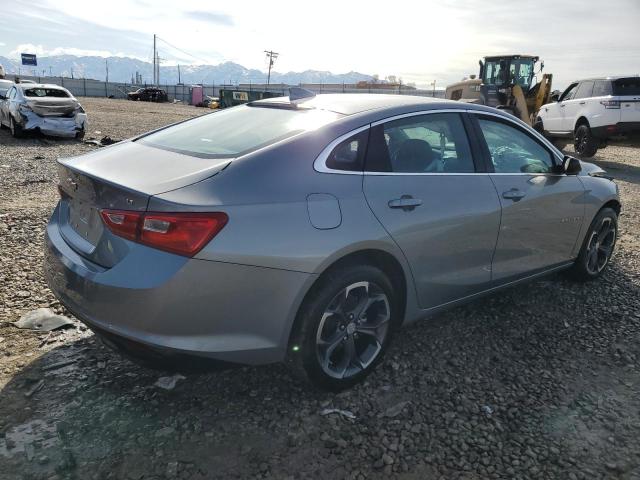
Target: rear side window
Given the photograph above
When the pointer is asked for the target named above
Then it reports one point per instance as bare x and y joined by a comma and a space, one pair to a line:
349, 154
584, 90
626, 86
601, 88
431, 143
514, 151
236, 131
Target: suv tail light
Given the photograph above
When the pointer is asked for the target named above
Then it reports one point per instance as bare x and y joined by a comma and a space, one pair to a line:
181, 233
610, 103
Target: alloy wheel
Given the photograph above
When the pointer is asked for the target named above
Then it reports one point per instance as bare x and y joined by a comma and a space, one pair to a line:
353, 329
600, 246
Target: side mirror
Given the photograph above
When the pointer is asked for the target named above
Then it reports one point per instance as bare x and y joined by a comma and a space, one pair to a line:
571, 165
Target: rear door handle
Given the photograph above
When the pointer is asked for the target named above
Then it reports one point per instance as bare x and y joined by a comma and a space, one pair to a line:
513, 194
406, 203
582, 103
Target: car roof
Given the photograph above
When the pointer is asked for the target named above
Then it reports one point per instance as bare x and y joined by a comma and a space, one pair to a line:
8, 82
352, 103
612, 77
42, 85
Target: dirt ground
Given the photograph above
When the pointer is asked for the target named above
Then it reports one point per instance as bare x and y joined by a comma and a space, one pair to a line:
539, 381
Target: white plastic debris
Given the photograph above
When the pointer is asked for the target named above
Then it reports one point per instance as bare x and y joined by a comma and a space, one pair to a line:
169, 383
344, 413
487, 409
394, 410
43, 319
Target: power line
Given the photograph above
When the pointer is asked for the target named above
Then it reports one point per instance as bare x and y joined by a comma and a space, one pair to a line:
183, 51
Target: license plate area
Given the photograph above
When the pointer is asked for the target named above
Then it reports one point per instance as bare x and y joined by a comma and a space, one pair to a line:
85, 221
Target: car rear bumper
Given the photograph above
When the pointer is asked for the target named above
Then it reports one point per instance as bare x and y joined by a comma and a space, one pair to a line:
54, 126
618, 129
177, 305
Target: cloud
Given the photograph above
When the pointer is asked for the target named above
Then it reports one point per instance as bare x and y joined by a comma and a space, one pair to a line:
211, 17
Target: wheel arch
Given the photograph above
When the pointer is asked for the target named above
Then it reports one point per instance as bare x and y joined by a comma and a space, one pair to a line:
582, 120
377, 257
615, 205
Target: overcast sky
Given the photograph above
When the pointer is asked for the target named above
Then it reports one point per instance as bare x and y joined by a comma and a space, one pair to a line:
419, 41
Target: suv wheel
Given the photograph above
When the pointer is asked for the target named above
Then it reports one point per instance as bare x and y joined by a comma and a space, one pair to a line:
584, 143
597, 247
343, 330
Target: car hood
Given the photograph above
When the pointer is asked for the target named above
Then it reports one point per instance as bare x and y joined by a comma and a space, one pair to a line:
143, 168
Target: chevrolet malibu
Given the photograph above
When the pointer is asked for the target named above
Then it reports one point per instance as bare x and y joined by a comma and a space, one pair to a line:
308, 229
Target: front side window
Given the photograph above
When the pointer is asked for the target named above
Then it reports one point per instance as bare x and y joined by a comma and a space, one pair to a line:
236, 131
585, 90
569, 92
432, 143
514, 151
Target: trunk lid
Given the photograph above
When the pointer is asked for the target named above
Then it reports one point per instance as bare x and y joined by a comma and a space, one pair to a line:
121, 177
53, 107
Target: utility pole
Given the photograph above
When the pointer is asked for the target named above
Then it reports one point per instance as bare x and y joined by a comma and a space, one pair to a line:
154, 58
158, 69
106, 66
434, 88
50, 73
272, 58
179, 82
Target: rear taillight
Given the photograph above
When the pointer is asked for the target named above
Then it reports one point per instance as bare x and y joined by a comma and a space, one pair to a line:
610, 103
181, 233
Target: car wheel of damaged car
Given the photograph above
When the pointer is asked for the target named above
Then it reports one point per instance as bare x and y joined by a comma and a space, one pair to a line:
16, 130
343, 330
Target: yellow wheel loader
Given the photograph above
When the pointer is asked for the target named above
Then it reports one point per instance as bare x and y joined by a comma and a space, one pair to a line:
507, 82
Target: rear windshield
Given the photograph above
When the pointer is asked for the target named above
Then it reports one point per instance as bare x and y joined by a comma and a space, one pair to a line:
237, 131
627, 86
45, 92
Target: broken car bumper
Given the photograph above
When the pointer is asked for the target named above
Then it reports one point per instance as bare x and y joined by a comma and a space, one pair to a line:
55, 126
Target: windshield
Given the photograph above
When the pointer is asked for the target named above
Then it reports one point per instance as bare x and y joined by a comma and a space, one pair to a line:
238, 130
502, 72
45, 92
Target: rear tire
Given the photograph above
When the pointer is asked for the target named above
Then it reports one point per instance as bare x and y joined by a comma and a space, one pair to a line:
344, 327
597, 247
584, 143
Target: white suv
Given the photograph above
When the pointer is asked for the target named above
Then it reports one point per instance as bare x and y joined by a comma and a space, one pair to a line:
593, 111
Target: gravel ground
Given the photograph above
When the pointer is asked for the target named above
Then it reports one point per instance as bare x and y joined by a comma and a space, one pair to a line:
539, 381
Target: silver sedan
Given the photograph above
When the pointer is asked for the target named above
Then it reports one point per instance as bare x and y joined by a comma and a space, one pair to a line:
308, 229
49, 109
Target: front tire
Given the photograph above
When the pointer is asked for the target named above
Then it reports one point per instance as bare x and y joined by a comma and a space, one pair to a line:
597, 247
344, 327
16, 130
584, 143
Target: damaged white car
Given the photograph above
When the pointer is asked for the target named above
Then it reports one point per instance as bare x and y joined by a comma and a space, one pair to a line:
49, 109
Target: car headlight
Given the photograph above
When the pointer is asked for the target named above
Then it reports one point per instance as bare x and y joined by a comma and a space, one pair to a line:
24, 108
79, 109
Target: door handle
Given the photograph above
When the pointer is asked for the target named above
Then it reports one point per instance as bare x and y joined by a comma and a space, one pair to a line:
562, 105
406, 203
513, 194
582, 103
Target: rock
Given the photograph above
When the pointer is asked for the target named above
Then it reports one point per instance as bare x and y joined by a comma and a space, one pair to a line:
394, 410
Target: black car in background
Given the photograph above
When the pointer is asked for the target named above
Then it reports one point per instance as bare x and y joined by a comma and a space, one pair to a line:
148, 94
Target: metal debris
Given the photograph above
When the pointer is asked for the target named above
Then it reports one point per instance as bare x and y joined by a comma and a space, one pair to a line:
344, 413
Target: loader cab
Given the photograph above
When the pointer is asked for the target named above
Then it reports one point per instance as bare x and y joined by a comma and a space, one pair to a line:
500, 74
